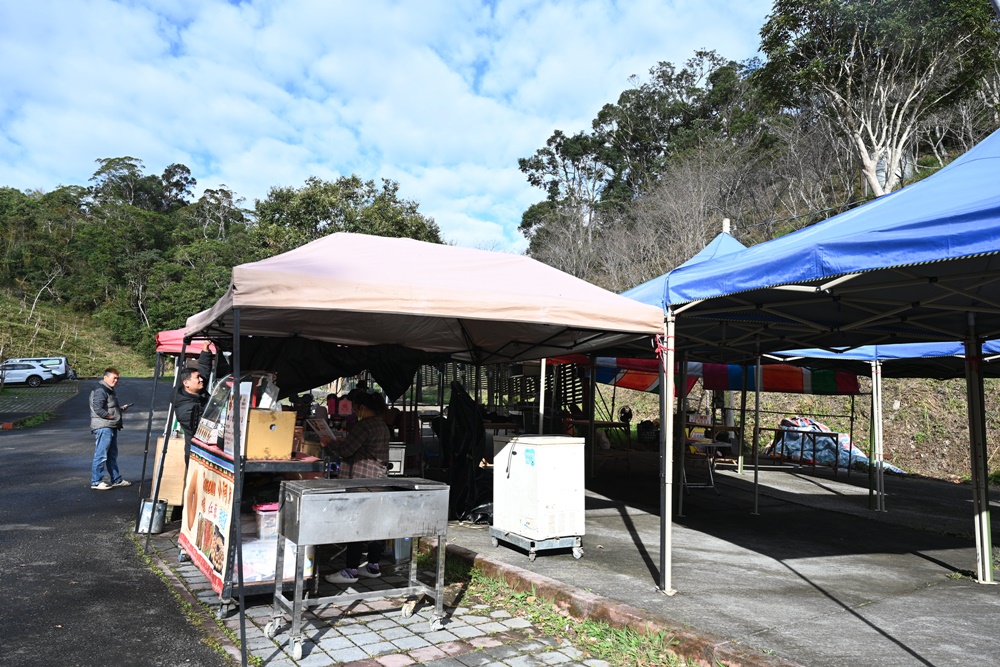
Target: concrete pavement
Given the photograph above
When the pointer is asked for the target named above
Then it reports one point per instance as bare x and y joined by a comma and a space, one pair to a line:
814, 578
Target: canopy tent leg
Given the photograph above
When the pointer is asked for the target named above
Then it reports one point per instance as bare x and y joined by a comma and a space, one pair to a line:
756, 434
850, 452
145, 451
680, 432
879, 452
666, 371
541, 399
978, 455
235, 530
591, 415
743, 423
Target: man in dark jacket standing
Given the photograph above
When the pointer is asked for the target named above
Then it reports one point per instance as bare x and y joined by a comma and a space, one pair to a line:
192, 396
105, 422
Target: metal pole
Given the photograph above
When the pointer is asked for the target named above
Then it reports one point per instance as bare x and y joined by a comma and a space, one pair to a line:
756, 434
666, 456
850, 452
680, 431
145, 451
591, 415
978, 454
877, 418
541, 400
235, 530
163, 455
743, 423
872, 473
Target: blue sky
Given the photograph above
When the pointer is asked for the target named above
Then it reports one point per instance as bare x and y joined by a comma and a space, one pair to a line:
441, 96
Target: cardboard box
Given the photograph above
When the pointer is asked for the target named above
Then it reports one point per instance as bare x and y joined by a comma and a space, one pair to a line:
270, 434
311, 449
172, 482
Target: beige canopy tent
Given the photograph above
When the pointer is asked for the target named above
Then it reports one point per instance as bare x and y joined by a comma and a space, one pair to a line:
399, 296
477, 306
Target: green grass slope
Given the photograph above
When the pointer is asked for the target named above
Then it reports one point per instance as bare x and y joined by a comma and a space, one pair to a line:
50, 329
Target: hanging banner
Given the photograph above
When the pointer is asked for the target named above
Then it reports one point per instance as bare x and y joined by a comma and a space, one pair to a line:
643, 375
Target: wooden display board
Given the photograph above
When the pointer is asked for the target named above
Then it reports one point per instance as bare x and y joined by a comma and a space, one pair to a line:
172, 483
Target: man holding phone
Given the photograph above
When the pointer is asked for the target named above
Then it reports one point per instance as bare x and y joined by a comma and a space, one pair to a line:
105, 422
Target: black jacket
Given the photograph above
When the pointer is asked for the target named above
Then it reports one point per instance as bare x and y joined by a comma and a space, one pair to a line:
189, 407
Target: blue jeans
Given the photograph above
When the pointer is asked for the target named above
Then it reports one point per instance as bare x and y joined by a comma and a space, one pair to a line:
105, 455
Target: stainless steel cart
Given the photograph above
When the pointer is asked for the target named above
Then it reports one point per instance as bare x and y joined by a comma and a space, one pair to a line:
331, 511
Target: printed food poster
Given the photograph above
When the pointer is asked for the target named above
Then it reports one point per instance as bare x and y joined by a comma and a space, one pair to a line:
208, 500
205, 522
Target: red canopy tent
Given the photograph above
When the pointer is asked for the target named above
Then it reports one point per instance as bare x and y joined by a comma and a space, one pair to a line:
171, 341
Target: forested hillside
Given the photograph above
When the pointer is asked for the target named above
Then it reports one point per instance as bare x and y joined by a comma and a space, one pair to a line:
135, 252
852, 100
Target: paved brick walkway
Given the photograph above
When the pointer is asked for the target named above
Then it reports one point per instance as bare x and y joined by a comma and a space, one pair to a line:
375, 634
19, 401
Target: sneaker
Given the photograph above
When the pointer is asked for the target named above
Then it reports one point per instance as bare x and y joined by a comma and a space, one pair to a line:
370, 571
100, 486
345, 576
122, 482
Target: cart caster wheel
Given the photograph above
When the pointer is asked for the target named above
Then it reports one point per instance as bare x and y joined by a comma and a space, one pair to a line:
226, 609
296, 649
408, 608
531, 555
494, 541
271, 629
578, 552
436, 625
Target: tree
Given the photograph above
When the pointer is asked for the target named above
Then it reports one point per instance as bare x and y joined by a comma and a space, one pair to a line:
655, 119
290, 217
573, 176
116, 180
876, 68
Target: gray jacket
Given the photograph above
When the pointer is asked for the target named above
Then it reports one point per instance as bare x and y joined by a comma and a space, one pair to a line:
104, 410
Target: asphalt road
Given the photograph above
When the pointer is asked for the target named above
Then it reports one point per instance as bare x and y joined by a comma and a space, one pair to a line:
75, 591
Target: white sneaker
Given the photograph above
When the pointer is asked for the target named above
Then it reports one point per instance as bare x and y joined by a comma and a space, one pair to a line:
370, 571
345, 576
122, 482
100, 486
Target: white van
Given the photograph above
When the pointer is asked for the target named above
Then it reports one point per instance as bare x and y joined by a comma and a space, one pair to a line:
59, 366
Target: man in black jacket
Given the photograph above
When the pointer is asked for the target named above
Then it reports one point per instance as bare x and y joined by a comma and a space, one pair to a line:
192, 396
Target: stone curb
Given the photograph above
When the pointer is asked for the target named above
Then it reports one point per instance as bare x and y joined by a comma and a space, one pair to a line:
209, 626
701, 648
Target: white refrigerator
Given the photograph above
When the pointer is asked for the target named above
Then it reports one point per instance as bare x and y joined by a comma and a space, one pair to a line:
538, 493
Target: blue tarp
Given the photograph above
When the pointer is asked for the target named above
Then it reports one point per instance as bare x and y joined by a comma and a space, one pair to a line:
921, 360
952, 214
825, 449
893, 351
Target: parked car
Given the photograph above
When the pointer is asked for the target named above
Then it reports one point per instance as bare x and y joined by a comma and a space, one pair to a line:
24, 372
59, 366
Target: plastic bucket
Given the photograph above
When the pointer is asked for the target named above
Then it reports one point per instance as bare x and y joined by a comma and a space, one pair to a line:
158, 518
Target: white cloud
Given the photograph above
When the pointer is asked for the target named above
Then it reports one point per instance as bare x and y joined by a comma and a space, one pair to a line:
441, 96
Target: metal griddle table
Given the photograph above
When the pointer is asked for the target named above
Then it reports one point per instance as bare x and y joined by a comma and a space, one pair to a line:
334, 511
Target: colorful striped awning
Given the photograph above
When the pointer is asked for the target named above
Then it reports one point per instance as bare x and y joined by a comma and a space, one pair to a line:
643, 375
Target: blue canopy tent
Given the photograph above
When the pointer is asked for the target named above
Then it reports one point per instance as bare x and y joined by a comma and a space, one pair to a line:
925, 360
653, 292
921, 264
